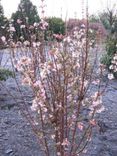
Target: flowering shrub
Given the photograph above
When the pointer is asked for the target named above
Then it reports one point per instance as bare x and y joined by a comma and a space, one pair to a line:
113, 67
63, 108
109, 59
97, 28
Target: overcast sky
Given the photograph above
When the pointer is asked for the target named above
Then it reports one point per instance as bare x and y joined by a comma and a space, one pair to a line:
54, 7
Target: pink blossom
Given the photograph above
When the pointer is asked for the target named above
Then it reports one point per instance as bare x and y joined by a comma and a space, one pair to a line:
110, 76
37, 84
36, 44
65, 142
25, 60
26, 81
96, 82
3, 38
58, 154
18, 44
26, 43
53, 136
67, 39
43, 25
80, 126
36, 24
34, 105
96, 102
22, 26
31, 27
12, 29
19, 21
93, 122
58, 36
100, 109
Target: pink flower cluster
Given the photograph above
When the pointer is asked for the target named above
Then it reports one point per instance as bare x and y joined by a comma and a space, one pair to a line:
113, 67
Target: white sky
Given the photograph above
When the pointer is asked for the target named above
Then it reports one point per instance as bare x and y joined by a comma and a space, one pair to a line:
53, 8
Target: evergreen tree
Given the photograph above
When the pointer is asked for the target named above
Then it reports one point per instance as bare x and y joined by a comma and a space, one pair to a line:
3, 20
1, 16
56, 25
27, 14
109, 19
3, 25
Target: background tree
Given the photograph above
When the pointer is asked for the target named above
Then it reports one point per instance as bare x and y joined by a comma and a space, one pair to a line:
3, 25
94, 19
56, 25
27, 14
109, 19
1, 16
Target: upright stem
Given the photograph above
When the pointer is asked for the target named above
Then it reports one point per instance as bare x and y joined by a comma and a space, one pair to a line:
44, 135
83, 79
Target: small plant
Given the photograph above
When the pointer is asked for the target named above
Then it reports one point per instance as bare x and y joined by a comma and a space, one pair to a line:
109, 58
5, 74
109, 20
113, 66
